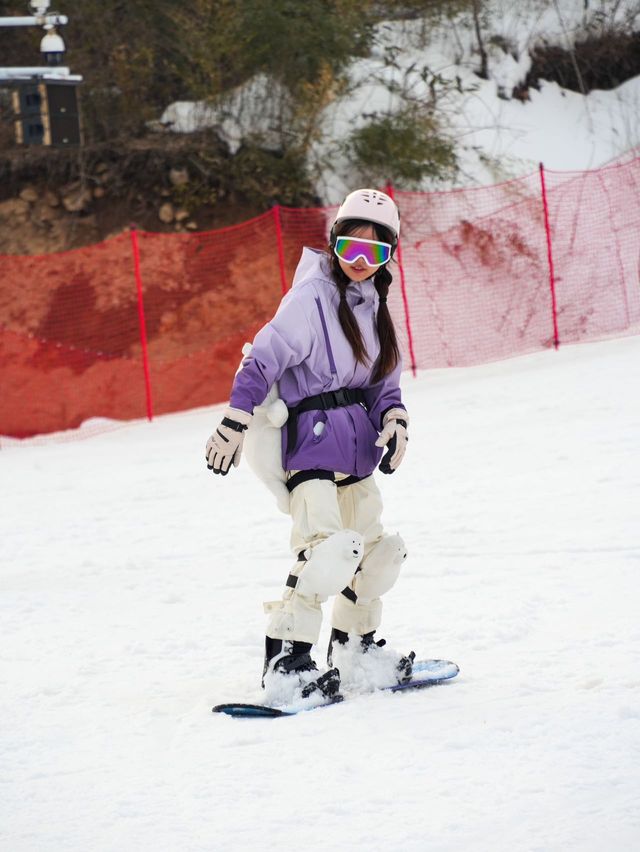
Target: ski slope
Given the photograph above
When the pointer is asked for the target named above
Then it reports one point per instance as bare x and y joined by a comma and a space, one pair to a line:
132, 588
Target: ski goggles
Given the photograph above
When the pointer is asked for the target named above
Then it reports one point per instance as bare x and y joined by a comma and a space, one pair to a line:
373, 253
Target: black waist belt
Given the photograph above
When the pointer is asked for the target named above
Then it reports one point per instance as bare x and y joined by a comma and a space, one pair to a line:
305, 475
321, 402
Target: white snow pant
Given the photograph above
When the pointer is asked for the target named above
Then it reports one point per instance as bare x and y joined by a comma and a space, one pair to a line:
343, 552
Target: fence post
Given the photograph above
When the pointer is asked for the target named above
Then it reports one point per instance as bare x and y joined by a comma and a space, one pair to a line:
278, 221
552, 277
403, 290
141, 321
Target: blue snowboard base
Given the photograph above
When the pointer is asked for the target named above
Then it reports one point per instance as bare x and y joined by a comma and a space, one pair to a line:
425, 673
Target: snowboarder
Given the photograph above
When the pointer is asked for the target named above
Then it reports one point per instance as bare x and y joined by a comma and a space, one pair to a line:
332, 349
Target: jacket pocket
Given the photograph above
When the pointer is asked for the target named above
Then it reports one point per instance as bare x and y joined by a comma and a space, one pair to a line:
319, 425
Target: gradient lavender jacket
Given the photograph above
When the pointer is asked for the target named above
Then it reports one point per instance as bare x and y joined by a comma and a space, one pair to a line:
304, 349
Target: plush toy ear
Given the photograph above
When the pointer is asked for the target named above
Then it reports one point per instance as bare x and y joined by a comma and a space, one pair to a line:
246, 351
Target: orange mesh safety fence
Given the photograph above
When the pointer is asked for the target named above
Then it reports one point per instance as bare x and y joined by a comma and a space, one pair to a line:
70, 342
478, 266
486, 273
595, 226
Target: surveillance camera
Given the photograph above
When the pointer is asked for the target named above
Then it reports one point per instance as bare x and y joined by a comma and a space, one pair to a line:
39, 7
52, 46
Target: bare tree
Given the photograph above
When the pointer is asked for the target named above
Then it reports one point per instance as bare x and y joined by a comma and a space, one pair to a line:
484, 60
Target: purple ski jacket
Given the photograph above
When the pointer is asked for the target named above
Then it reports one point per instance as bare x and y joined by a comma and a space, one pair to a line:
304, 349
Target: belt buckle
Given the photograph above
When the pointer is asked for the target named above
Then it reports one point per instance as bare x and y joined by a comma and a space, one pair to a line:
340, 397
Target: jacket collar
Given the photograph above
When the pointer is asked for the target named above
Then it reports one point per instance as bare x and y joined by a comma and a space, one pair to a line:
313, 264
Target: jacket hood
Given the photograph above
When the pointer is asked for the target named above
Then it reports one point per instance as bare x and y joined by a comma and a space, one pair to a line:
314, 266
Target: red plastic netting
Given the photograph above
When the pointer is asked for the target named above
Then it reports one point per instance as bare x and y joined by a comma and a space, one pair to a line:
595, 223
477, 276
474, 285
70, 346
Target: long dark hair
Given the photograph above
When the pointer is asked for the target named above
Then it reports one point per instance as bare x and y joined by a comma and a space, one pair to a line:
389, 352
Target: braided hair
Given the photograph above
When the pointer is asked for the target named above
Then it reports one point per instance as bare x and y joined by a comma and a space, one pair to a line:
389, 351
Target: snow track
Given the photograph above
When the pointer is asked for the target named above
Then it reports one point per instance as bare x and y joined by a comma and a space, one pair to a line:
132, 583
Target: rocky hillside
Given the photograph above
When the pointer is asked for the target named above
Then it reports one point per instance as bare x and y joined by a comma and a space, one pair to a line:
53, 201
42, 219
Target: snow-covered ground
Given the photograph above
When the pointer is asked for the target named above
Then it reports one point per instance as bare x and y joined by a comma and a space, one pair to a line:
495, 137
132, 587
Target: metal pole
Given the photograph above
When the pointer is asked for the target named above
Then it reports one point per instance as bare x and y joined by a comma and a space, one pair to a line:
552, 277
32, 21
405, 300
279, 240
141, 320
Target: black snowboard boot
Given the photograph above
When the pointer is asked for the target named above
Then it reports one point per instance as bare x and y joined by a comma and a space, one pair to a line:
293, 660
362, 655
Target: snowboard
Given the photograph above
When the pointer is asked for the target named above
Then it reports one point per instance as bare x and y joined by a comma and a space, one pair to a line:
425, 673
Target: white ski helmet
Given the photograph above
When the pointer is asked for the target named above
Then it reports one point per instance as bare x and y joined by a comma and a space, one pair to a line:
371, 205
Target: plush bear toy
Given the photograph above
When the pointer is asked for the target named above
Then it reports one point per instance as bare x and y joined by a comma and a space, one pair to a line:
263, 442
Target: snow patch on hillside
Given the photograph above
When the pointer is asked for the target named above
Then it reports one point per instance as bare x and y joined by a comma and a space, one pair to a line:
495, 137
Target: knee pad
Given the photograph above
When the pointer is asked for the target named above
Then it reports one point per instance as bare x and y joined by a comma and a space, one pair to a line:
331, 565
380, 570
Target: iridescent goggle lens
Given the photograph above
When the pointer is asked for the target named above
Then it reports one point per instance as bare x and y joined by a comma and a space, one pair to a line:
372, 252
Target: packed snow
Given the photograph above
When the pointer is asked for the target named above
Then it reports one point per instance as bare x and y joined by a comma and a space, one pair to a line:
132, 588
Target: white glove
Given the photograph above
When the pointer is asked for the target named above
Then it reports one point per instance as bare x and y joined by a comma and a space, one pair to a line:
394, 438
225, 445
